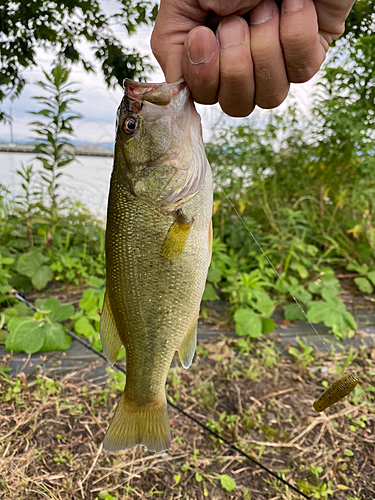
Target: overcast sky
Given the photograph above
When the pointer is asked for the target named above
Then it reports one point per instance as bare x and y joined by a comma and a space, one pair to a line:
99, 103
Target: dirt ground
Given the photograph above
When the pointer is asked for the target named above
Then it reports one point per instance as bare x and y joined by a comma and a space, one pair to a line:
51, 431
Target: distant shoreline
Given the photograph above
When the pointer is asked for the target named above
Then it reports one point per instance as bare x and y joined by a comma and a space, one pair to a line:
27, 148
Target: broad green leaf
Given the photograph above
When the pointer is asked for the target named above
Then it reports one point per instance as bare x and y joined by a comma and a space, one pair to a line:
268, 325
227, 483
23, 309
42, 276
364, 285
55, 338
84, 327
328, 282
21, 282
301, 295
248, 323
312, 250
300, 268
39, 304
7, 261
26, 334
332, 313
92, 300
292, 312
355, 266
371, 277
214, 275
10, 312
96, 282
29, 263
3, 337
264, 303
209, 293
198, 477
58, 312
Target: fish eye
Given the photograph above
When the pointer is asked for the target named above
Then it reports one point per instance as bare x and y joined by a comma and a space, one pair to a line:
130, 125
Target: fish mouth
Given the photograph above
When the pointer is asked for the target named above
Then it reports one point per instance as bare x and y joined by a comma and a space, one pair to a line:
160, 94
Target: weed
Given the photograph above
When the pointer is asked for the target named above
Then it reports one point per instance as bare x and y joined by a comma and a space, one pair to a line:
116, 381
63, 456
206, 394
304, 354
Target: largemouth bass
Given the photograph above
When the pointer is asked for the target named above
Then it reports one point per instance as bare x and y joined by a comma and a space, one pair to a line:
158, 249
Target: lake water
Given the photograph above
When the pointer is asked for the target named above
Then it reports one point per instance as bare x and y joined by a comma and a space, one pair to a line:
86, 179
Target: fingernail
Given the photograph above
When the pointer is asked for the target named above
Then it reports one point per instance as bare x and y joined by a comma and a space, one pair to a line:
289, 6
201, 46
231, 32
262, 13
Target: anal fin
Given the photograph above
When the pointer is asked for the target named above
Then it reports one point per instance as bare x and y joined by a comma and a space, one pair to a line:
187, 347
109, 335
177, 236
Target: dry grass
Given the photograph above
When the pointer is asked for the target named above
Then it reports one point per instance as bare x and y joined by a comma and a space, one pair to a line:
51, 433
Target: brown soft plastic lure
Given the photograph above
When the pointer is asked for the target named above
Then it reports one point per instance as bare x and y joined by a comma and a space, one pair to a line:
335, 392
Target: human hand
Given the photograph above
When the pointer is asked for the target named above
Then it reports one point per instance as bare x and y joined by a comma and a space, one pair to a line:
245, 62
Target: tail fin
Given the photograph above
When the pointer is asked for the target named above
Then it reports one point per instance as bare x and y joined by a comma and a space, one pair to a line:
146, 425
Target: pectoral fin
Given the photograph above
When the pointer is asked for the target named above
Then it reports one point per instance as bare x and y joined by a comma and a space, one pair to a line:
177, 236
187, 348
109, 335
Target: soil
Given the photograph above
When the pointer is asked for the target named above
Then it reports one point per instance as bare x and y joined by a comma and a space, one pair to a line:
55, 410
51, 431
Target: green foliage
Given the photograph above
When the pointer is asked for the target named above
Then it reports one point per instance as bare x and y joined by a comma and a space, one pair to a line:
116, 380
33, 266
366, 282
60, 28
5, 262
39, 332
221, 264
87, 319
226, 482
247, 323
54, 150
304, 354
310, 228
332, 312
43, 236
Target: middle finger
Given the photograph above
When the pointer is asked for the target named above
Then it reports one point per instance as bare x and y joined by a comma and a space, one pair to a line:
236, 90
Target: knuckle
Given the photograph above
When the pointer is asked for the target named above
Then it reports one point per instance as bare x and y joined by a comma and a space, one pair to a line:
235, 74
301, 75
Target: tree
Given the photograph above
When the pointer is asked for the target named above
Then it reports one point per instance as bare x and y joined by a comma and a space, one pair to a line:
316, 174
59, 27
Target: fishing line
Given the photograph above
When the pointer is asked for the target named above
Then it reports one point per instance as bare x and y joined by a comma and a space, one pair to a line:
180, 410
276, 272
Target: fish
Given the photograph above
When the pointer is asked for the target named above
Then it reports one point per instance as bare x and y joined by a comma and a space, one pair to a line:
337, 391
158, 248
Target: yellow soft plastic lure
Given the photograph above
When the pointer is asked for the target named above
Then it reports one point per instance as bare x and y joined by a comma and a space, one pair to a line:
335, 392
